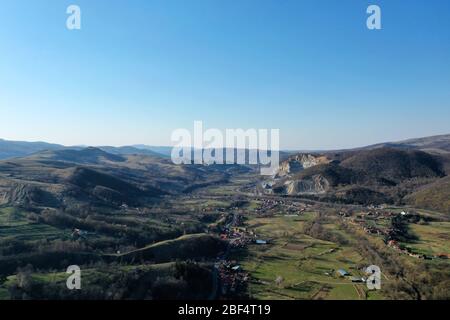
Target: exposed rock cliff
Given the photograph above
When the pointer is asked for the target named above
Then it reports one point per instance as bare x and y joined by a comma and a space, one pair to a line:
300, 162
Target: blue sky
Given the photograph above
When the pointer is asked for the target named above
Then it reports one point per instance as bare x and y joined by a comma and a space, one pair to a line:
138, 69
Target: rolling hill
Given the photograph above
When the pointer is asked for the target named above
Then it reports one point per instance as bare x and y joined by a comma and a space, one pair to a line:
92, 176
388, 165
88, 155
379, 175
13, 149
184, 247
386, 172
434, 144
17, 149
435, 196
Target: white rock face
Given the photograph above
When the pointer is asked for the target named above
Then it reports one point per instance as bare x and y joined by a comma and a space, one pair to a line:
317, 184
299, 163
285, 182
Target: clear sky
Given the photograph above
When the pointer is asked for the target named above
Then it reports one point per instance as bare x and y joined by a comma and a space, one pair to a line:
138, 69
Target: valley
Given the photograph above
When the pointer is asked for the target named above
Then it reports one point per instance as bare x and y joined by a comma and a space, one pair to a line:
141, 227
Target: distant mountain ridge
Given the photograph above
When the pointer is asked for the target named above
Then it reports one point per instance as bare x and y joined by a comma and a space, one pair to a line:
13, 149
17, 149
130, 150
433, 144
376, 174
439, 144
89, 155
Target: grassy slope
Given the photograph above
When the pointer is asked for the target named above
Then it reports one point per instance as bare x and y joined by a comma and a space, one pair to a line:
90, 277
434, 238
185, 247
13, 224
435, 196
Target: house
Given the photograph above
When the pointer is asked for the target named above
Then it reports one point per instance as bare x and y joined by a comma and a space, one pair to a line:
79, 234
443, 255
357, 279
343, 273
392, 243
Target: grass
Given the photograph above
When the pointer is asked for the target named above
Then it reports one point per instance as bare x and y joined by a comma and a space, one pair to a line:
434, 238
343, 292
31, 231
12, 217
90, 277
306, 265
4, 294
185, 247
221, 190
13, 223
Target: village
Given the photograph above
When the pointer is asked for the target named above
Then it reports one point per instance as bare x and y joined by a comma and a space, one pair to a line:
232, 277
227, 218
231, 228
391, 226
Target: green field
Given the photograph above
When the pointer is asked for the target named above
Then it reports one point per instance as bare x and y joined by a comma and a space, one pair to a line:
14, 224
434, 238
306, 265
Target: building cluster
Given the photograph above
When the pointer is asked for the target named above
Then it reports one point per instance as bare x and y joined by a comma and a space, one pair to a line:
370, 221
239, 237
78, 234
269, 205
232, 278
406, 250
